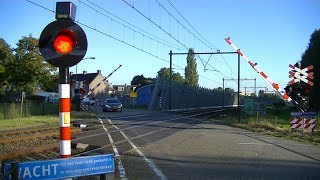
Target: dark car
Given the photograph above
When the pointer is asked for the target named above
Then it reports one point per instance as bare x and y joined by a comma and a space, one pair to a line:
112, 105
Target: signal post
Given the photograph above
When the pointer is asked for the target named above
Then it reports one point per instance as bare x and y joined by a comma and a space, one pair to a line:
63, 44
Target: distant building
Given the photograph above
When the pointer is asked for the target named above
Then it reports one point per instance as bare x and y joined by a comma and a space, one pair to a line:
247, 93
123, 89
87, 81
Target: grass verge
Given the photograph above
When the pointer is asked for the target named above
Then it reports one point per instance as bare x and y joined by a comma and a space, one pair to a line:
38, 121
32, 121
271, 125
266, 127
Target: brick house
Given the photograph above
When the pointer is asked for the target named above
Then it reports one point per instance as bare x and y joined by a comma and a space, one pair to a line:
87, 81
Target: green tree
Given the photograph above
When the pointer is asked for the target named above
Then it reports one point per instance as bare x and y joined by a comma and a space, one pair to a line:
191, 73
140, 80
177, 77
311, 56
28, 71
165, 74
5, 57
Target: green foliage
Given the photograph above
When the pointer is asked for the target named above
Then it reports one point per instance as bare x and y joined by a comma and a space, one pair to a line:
191, 73
5, 56
17, 123
311, 56
165, 74
140, 80
26, 70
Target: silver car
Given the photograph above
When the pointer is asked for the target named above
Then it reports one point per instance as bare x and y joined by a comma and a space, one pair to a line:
112, 104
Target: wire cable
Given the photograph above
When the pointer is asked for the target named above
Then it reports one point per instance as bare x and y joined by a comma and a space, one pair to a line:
161, 41
114, 38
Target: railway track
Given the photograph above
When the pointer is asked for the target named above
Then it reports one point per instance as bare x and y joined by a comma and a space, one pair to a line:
208, 112
29, 143
15, 143
42, 143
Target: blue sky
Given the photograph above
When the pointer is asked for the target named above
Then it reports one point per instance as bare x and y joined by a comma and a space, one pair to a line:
272, 33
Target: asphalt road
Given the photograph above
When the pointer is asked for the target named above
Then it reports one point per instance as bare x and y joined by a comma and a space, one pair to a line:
158, 145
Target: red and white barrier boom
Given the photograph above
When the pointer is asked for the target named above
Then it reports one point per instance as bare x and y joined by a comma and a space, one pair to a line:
260, 72
102, 81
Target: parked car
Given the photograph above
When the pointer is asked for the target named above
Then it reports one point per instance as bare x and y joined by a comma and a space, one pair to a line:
112, 104
88, 101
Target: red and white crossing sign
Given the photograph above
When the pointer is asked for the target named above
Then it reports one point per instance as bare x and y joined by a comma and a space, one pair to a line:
301, 75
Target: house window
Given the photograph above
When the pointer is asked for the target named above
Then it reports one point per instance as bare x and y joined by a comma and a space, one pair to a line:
120, 88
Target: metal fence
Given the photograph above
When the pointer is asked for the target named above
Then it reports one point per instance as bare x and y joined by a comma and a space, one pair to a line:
185, 96
27, 108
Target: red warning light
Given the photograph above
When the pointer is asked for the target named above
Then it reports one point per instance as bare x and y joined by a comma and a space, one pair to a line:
63, 43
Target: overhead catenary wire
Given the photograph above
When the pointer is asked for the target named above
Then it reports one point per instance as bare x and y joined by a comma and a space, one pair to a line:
182, 24
161, 41
114, 38
132, 6
209, 46
199, 35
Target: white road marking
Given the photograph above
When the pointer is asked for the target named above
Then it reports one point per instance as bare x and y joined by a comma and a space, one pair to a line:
131, 116
116, 152
270, 144
264, 144
137, 126
151, 164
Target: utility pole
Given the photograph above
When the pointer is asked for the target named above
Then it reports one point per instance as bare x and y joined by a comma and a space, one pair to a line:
170, 93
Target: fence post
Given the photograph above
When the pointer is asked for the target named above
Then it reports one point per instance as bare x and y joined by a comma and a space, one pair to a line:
42, 107
25, 112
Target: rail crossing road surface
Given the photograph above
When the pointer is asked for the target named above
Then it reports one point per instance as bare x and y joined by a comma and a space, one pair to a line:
158, 145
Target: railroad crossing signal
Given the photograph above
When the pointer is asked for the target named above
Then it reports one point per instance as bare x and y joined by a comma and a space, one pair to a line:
63, 43
301, 74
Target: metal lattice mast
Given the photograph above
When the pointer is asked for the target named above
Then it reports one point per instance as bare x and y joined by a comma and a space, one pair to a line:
260, 72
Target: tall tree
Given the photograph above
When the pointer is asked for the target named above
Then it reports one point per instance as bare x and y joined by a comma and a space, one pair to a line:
5, 57
177, 77
191, 73
311, 56
165, 74
28, 71
140, 80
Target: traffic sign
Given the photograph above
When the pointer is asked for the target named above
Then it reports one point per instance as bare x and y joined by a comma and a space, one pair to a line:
303, 114
301, 75
63, 168
133, 94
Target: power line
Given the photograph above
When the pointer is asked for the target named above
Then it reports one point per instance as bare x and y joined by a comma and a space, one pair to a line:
142, 50
164, 42
114, 38
41, 6
132, 6
122, 41
154, 23
198, 34
181, 23
190, 24
201, 60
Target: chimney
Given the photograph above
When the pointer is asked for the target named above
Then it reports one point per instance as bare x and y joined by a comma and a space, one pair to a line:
99, 71
84, 72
